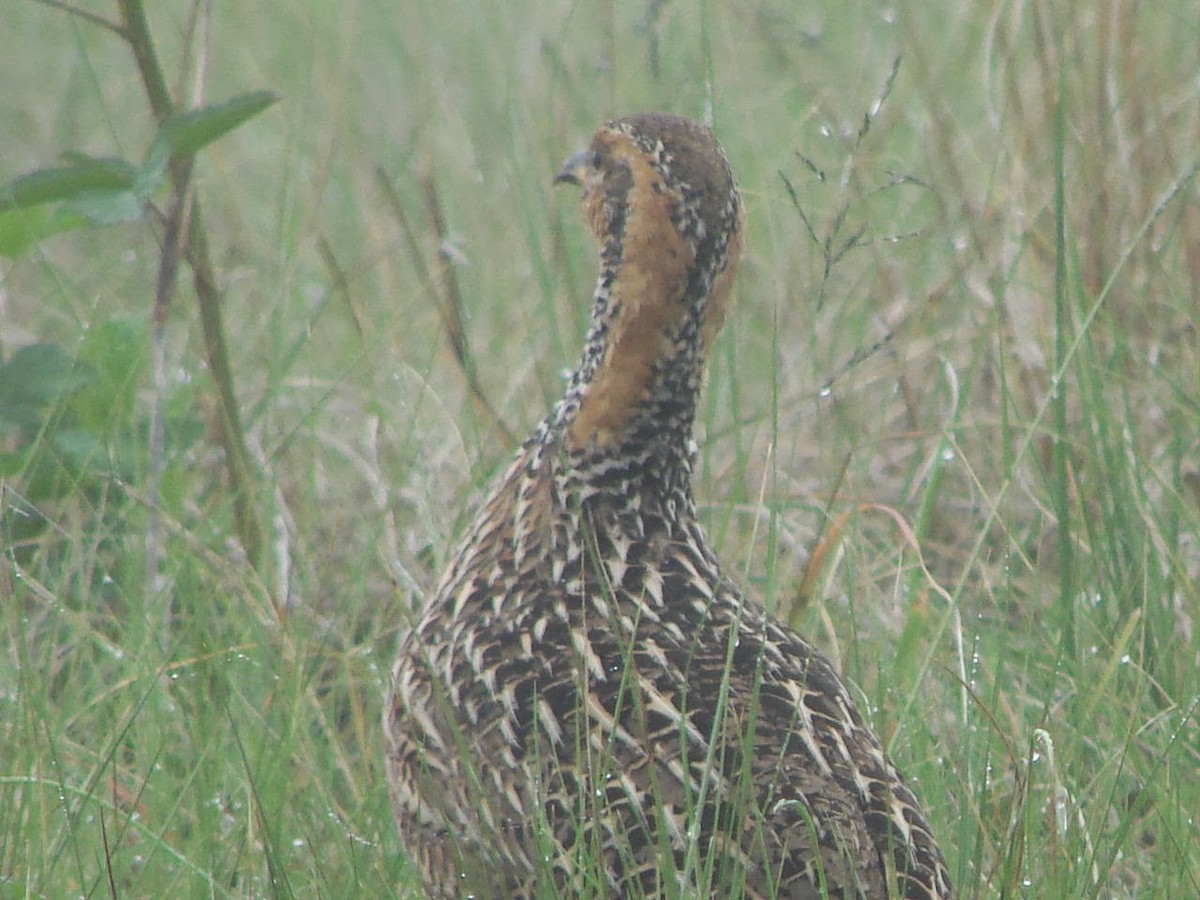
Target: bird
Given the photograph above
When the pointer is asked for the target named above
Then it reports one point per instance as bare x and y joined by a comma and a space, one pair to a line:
587, 705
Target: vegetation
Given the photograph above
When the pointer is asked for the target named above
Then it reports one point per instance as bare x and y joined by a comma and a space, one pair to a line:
951, 432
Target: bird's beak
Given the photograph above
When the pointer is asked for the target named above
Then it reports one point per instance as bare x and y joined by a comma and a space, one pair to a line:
574, 168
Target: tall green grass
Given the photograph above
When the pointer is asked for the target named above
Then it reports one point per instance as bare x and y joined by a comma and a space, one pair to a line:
951, 431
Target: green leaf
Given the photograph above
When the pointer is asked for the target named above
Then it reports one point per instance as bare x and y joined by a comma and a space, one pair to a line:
65, 182
116, 351
13, 463
21, 229
78, 450
40, 373
186, 133
153, 173
36, 376
104, 207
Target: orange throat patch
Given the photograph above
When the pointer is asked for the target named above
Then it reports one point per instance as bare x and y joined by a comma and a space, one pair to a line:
647, 303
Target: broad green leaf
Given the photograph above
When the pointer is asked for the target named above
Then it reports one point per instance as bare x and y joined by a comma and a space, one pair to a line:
104, 207
12, 463
21, 229
116, 351
65, 182
77, 448
40, 373
36, 376
153, 173
186, 133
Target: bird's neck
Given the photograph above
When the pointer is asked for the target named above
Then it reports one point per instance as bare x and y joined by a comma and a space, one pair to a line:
659, 301
630, 404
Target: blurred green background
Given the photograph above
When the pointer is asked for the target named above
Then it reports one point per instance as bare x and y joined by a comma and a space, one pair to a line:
951, 431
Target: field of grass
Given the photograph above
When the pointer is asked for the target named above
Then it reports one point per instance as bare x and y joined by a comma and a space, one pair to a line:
952, 430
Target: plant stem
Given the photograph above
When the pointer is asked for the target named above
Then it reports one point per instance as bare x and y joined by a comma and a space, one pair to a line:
231, 433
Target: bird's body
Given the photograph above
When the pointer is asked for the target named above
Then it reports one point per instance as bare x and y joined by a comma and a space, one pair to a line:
587, 706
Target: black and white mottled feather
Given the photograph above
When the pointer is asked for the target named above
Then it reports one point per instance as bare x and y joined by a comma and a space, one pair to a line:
587, 705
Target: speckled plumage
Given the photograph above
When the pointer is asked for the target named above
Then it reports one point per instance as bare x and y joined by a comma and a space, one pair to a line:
586, 705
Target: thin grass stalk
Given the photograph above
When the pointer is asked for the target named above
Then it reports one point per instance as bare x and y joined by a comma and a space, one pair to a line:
1060, 488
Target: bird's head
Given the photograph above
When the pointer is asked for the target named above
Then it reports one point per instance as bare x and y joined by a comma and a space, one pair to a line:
659, 196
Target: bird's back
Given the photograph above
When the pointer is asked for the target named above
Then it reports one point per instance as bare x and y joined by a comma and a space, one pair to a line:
610, 716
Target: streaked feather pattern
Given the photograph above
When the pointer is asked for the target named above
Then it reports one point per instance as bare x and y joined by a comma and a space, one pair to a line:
586, 705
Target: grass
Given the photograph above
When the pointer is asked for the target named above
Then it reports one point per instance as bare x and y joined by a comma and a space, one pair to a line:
950, 431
